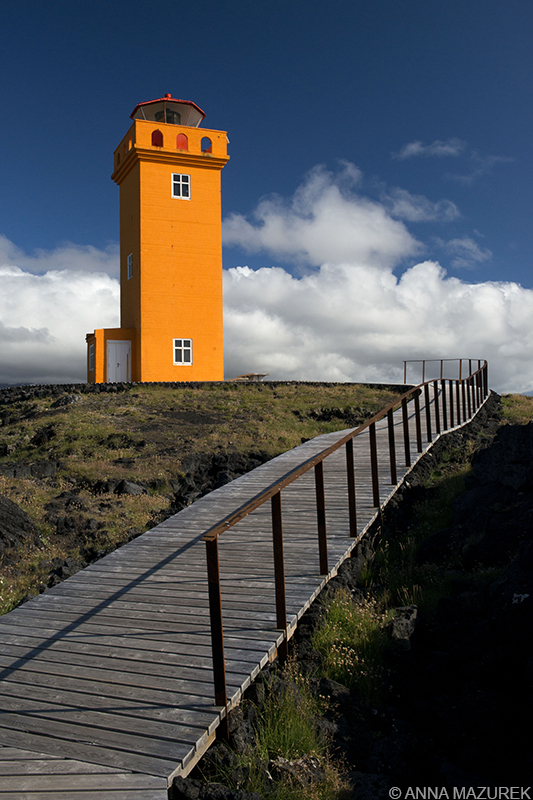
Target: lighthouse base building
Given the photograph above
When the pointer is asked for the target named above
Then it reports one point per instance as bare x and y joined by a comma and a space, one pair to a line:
168, 171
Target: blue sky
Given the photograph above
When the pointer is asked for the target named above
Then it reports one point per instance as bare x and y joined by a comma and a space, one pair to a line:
409, 117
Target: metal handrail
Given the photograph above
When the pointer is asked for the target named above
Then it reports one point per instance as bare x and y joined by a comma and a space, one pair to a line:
441, 361
470, 392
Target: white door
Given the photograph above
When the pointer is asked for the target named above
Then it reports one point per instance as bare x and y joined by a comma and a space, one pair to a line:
118, 361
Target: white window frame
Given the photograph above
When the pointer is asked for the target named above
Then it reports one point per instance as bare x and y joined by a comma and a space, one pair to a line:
177, 184
185, 346
129, 262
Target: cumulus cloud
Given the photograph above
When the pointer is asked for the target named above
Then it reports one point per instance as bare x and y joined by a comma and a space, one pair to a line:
439, 148
44, 319
352, 318
348, 323
348, 317
326, 220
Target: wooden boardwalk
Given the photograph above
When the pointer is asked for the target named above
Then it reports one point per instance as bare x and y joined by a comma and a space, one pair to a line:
106, 680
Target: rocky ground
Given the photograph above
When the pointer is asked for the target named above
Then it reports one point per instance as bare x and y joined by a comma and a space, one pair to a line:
457, 705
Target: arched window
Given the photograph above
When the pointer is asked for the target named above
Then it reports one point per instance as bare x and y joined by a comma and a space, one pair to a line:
182, 143
206, 145
157, 139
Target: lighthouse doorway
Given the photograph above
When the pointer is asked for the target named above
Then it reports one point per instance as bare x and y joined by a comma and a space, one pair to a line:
118, 361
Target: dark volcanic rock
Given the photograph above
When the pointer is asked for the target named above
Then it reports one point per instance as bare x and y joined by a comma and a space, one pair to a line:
205, 472
16, 527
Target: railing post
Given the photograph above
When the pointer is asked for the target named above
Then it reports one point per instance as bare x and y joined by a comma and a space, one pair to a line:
444, 405
437, 406
217, 631
463, 394
468, 399
451, 403
321, 518
404, 372
417, 424
350, 474
374, 464
392, 448
279, 562
428, 412
405, 420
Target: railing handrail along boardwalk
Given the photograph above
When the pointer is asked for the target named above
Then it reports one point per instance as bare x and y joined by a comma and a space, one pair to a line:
469, 391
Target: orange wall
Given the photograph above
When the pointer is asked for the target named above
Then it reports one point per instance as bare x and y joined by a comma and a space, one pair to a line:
99, 338
176, 288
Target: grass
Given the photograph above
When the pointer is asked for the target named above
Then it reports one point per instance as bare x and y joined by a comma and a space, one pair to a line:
286, 728
517, 408
145, 435
351, 641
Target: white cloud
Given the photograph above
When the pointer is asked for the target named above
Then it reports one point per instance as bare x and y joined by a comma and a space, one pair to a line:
44, 319
467, 253
68, 256
439, 148
418, 208
482, 166
325, 221
349, 318
350, 323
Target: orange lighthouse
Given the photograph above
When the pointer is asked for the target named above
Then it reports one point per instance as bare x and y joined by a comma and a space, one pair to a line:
168, 170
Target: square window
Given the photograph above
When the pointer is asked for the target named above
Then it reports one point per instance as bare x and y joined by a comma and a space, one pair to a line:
130, 266
183, 351
181, 186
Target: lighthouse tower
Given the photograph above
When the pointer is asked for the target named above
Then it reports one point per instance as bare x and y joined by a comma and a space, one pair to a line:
168, 171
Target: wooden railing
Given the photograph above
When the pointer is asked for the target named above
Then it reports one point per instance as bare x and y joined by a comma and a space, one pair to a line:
459, 404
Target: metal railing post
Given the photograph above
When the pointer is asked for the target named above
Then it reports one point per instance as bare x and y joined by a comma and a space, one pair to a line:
451, 403
463, 394
321, 518
217, 630
417, 423
405, 420
437, 406
428, 412
444, 405
374, 464
468, 399
350, 474
279, 562
392, 448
